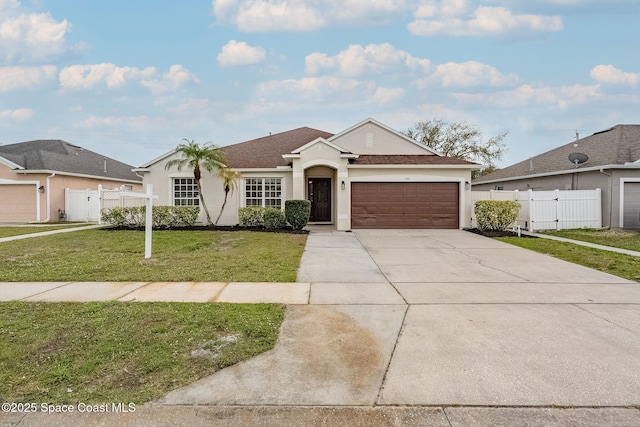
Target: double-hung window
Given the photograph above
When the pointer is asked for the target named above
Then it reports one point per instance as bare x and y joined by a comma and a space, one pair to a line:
185, 192
264, 192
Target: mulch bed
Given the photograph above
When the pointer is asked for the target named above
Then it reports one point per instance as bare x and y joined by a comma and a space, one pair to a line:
219, 228
496, 233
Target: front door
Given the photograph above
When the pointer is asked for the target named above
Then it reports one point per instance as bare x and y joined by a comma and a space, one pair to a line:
319, 194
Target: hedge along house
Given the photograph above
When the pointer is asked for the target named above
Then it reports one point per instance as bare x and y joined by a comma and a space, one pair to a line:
367, 176
35, 174
609, 160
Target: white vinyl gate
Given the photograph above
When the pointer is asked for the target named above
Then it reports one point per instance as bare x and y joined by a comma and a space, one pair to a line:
551, 210
82, 205
86, 205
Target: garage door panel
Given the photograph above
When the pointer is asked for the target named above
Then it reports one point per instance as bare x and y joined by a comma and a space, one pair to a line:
404, 205
631, 205
18, 203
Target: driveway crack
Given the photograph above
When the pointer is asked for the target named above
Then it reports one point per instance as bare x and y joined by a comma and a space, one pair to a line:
393, 352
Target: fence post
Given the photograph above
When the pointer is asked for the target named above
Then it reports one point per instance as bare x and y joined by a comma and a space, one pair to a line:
100, 204
557, 203
530, 191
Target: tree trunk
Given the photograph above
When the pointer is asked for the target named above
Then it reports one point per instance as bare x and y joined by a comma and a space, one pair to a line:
226, 193
204, 206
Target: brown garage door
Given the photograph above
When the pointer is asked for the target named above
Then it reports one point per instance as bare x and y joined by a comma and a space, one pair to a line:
404, 205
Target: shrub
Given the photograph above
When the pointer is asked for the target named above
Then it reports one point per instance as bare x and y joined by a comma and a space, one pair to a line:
252, 216
162, 216
297, 213
274, 218
496, 215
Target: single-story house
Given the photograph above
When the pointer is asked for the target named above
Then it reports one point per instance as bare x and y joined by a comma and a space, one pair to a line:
35, 174
609, 160
367, 176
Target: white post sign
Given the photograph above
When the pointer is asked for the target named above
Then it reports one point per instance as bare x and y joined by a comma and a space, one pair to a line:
148, 222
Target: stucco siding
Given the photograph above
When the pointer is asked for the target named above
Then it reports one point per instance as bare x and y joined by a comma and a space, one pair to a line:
372, 139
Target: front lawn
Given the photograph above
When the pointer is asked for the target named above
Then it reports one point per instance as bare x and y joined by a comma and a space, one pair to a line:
118, 255
102, 352
621, 265
623, 239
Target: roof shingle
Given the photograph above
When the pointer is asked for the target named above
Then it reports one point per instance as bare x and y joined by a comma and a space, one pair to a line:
618, 145
266, 152
408, 159
60, 156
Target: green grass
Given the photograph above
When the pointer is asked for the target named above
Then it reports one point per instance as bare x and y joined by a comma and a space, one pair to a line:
621, 265
118, 255
102, 352
9, 231
623, 239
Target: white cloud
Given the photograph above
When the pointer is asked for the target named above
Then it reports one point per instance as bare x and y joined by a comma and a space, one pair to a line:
388, 96
611, 75
26, 37
89, 76
318, 89
19, 115
304, 15
121, 121
79, 77
357, 60
175, 78
527, 95
454, 19
466, 74
237, 53
16, 78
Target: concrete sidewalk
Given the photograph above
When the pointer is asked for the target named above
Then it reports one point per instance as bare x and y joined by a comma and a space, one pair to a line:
582, 243
49, 233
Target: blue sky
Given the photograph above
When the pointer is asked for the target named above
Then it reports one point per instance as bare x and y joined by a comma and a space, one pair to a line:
130, 79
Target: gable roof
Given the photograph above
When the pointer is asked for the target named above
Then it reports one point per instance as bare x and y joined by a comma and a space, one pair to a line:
388, 129
266, 152
618, 145
61, 157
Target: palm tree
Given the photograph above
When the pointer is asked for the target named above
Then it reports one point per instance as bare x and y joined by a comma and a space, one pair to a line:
229, 184
197, 157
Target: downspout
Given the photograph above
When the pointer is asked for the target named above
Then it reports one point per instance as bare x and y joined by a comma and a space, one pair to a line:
48, 189
608, 227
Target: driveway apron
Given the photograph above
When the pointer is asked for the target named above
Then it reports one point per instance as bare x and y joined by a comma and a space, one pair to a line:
442, 317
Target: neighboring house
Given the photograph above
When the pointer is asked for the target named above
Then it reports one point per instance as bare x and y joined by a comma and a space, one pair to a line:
35, 174
612, 163
367, 176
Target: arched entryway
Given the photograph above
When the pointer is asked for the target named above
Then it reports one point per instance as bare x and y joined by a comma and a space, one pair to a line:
320, 191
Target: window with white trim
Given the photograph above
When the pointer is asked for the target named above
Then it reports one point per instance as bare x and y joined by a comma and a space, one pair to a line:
185, 192
264, 192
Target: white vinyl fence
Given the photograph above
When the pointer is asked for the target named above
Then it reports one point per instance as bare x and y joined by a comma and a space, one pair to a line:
86, 205
550, 210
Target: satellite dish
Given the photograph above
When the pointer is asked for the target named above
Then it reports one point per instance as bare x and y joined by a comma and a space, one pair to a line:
578, 158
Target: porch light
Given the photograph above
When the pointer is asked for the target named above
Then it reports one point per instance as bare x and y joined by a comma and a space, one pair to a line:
342, 185
41, 189
467, 185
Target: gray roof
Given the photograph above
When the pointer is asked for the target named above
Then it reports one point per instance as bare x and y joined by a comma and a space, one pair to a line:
60, 156
615, 146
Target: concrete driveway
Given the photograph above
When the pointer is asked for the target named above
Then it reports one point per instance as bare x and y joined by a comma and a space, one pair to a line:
446, 318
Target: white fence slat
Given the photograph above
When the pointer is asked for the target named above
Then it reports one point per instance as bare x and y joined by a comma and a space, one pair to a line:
86, 205
551, 210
